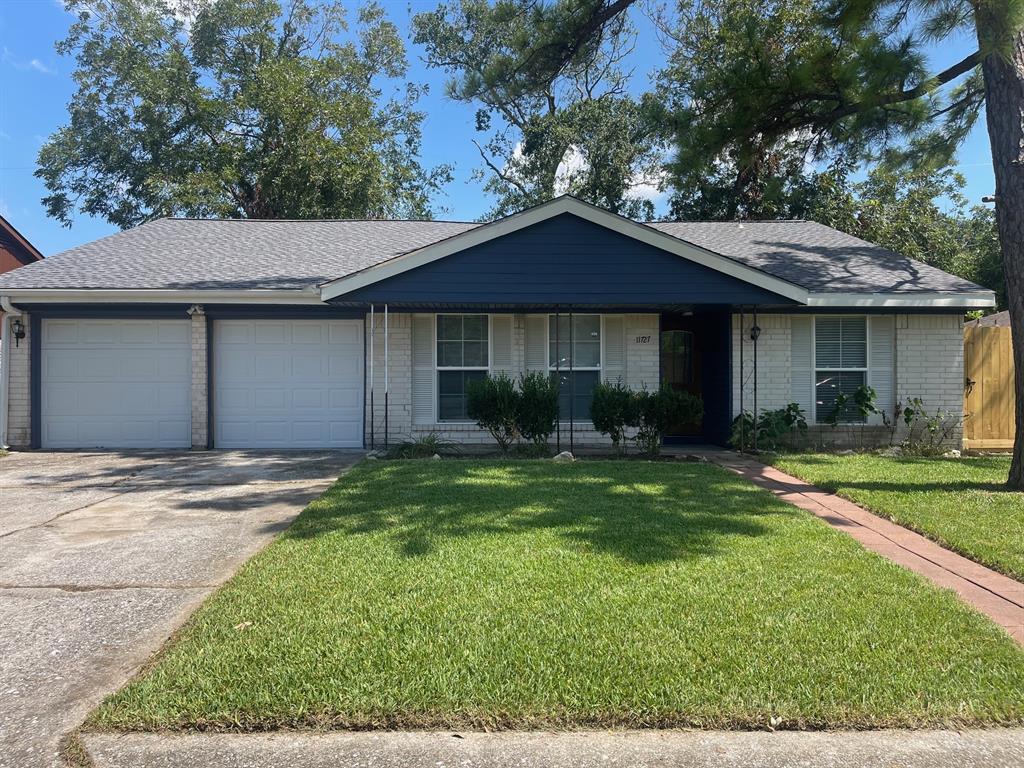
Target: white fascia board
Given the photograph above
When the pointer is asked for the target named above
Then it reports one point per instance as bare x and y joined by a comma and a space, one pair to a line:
556, 207
975, 300
107, 296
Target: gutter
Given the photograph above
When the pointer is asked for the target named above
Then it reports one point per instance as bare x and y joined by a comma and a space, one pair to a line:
10, 311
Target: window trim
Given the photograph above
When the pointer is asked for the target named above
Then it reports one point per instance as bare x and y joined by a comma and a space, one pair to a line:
439, 368
866, 370
552, 369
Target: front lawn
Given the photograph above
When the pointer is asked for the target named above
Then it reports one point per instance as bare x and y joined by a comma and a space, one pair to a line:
960, 503
601, 593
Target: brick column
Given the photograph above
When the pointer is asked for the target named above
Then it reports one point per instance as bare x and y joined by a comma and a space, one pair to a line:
19, 397
200, 393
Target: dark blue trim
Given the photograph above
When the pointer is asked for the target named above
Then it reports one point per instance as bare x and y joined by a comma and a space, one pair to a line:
281, 312
84, 311
35, 381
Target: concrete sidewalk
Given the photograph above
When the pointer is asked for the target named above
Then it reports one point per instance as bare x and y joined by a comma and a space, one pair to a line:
993, 594
607, 749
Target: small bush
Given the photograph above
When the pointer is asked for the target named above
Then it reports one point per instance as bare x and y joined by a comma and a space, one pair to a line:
660, 411
538, 407
614, 408
781, 428
424, 447
494, 404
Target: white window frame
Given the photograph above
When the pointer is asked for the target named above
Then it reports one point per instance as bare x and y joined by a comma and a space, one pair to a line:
814, 363
547, 352
439, 368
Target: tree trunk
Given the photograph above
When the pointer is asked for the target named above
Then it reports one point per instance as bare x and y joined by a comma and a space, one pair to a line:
1004, 107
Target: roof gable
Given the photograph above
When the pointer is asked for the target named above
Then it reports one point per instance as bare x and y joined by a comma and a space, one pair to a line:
561, 260
639, 233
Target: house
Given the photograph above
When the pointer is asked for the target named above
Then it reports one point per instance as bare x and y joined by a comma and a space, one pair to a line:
301, 334
15, 251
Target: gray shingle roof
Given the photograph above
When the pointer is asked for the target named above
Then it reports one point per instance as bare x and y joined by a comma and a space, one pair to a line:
197, 254
816, 257
192, 254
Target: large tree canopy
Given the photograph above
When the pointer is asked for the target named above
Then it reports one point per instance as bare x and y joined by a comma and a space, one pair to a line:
859, 84
546, 131
236, 108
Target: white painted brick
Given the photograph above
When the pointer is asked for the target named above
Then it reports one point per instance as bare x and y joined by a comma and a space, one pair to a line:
19, 395
200, 400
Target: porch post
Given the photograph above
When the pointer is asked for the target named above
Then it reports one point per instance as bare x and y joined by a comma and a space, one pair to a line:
743, 413
754, 333
558, 378
373, 415
572, 386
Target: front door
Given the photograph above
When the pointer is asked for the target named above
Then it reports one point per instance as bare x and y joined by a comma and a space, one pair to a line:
681, 363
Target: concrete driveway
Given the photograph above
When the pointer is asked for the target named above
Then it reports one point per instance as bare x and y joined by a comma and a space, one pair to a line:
103, 555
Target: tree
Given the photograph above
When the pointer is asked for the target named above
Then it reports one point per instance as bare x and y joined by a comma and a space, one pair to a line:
863, 88
235, 108
574, 130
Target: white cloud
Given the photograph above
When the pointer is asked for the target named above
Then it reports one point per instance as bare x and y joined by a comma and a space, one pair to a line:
8, 57
38, 66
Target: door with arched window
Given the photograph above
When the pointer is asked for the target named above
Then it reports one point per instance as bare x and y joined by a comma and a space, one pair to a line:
680, 362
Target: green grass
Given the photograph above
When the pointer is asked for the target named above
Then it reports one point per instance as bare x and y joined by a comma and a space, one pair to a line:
602, 593
960, 503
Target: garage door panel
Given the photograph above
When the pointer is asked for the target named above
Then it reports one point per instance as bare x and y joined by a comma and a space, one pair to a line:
116, 384
292, 397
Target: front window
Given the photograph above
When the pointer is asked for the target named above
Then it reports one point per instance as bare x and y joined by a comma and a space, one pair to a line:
462, 356
841, 364
575, 343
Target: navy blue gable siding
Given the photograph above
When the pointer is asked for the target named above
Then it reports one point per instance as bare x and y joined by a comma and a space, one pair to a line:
564, 260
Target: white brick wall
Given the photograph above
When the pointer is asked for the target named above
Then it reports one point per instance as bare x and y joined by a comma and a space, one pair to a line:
19, 396
773, 363
929, 364
641, 370
200, 360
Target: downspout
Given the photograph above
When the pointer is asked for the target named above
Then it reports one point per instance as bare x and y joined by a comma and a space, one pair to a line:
10, 311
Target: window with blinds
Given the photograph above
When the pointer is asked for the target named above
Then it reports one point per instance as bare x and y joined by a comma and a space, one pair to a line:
841, 365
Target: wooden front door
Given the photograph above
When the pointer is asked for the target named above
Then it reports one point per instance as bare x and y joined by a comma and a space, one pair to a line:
988, 388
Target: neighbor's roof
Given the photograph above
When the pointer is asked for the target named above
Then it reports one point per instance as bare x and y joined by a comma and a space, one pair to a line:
197, 254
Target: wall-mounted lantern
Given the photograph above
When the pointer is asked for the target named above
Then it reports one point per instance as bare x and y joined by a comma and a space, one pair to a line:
18, 327
755, 332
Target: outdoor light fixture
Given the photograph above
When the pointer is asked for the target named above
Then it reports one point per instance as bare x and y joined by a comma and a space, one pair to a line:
755, 332
18, 328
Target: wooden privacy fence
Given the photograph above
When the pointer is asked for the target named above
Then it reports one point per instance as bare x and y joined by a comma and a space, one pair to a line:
988, 387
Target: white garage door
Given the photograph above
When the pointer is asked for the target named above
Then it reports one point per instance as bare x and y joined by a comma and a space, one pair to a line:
116, 384
288, 383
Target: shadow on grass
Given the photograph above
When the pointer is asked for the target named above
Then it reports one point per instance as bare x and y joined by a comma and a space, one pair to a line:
640, 513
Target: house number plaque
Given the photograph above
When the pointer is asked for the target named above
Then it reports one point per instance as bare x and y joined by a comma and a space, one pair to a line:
642, 339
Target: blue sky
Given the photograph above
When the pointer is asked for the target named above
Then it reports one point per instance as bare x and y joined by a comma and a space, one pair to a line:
36, 85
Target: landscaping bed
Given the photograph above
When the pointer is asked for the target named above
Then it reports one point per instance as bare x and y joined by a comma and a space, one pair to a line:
959, 503
501, 594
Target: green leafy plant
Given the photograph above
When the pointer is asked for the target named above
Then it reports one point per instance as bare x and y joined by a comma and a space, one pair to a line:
776, 429
424, 447
928, 433
538, 408
494, 403
614, 409
659, 411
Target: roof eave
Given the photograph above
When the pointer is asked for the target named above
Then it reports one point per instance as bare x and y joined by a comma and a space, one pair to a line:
938, 300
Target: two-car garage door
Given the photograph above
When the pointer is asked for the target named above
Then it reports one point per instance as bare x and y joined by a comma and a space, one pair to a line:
127, 383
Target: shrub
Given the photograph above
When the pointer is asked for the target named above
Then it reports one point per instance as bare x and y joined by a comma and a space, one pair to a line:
538, 407
660, 411
781, 428
494, 404
614, 408
927, 433
424, 447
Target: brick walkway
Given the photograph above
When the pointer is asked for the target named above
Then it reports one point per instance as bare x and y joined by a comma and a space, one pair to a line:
998, 597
